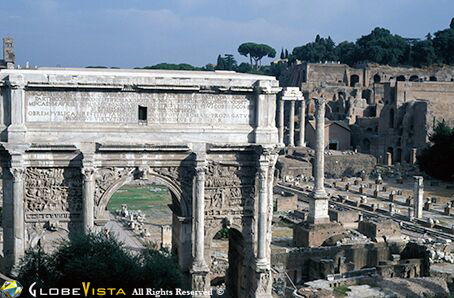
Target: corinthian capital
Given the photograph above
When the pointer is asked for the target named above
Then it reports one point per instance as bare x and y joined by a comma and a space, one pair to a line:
88, 173
18, 173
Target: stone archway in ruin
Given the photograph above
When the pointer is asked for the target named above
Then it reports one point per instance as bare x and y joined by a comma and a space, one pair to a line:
70, 138
110, 180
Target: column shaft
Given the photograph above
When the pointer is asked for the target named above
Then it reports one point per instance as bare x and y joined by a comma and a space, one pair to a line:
89, 199
418, 196
281, 121
18, 214
318, 206
301, 142
291, 141
199, 260
261, 244
320, 147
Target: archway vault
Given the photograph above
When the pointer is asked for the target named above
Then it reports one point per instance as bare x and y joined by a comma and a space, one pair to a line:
108, 184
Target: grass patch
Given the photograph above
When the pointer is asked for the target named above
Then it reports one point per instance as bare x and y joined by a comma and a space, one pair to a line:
141, 197
341, 291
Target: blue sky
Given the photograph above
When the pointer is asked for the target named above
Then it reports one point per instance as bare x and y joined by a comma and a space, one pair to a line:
130, 33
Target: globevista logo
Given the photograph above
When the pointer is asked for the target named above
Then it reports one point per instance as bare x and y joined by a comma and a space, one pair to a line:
12, 289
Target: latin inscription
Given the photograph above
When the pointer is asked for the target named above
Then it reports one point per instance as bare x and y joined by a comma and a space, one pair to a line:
118, 107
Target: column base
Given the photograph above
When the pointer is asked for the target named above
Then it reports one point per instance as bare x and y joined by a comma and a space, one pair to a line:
199, 281
262, 265
264, 281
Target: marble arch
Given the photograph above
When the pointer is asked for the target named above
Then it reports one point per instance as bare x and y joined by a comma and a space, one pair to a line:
70, 137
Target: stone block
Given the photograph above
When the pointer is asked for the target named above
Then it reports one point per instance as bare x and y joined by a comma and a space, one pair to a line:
314, 235
287, 202
343, 217
382, 231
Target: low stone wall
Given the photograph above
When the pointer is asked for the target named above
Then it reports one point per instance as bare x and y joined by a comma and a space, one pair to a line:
341, 165
306, 264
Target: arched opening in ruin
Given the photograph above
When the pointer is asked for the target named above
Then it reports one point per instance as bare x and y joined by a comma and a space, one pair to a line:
391, 118
433, 78
414, 78
401, 78
377, 78
366, 146
354, 79
140, 213
333, 145
399, 155
162, 218
227, 262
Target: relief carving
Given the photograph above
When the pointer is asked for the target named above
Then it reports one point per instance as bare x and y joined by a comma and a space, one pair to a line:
53, 190
229, 190
183, 175
264, 282
106, 178
199, 282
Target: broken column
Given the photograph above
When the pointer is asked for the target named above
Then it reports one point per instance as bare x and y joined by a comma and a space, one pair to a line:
418, 196
319, 204
376, 191
413, 156
389, 159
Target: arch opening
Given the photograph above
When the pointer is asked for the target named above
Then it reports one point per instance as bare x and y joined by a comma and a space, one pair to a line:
401, 78
227, 262
161, 220
354, 79
377, 78
391, 118
414, 78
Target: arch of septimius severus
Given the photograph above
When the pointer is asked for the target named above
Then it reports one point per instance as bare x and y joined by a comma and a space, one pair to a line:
71, 137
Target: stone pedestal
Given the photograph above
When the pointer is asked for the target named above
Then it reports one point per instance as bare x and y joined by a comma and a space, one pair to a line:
313, 235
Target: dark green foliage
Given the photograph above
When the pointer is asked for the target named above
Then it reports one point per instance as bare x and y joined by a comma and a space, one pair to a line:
423, 53
322, 49
382, 47
347, 52
282, 54
227, 62
222, 234
438, 159
256, 52
443, 43
103, 262
171, 66
244, 67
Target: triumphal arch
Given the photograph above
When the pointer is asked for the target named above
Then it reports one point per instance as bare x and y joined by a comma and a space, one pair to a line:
71, 137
